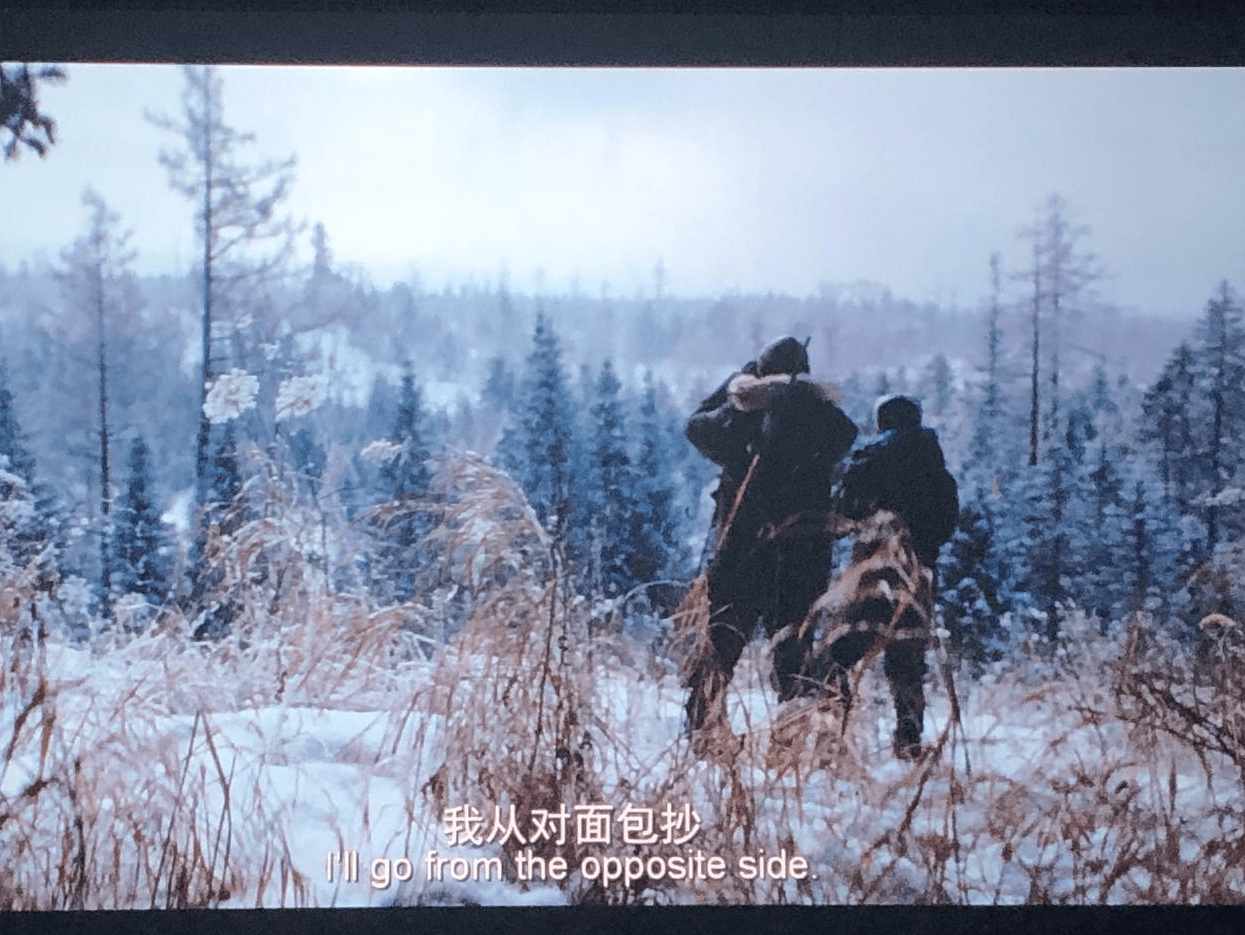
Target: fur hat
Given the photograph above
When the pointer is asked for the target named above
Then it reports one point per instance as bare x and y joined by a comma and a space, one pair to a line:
785, 355
897, 412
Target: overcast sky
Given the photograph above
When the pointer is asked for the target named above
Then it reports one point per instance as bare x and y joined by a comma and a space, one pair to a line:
736, 179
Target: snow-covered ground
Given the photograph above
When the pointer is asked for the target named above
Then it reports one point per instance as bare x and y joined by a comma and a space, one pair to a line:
140, 758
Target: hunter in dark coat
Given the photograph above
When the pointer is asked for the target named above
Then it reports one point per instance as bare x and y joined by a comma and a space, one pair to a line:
903, 470
898, 489
779, 438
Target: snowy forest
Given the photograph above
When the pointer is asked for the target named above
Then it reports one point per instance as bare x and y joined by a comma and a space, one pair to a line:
293, 566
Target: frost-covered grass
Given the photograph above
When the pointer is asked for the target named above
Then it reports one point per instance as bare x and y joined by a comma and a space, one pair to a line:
151, 770
161, 773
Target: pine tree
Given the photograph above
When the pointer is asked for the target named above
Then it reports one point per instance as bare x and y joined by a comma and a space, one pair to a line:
1035, 348
509, 452
1220, 374
1141, 548
1052, 558
985, 430
141, 562
407, 476
33, 523
1106, 551
495, 419
1155, 547
19, 460
32, 540
546, 430
22, 535
974, 588
1169, 410
223, 512
655, 538
499, 386
381, 413
224, 505
1095, 519
939, 377
405, 482
608, 496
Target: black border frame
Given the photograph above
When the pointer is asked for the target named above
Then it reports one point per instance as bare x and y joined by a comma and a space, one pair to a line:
644, 33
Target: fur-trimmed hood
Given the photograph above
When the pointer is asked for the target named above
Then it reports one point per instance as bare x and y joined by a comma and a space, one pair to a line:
748, 393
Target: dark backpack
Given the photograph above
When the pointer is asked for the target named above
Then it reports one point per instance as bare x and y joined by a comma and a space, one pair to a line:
944, 507
905, 472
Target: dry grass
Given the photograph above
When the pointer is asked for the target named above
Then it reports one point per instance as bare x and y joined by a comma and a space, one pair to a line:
511, 688
1101, 771
1097, 805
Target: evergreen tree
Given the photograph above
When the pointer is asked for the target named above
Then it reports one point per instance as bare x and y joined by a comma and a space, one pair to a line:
31, 524
225, 480
986, 427
1035, 348
141, 560
608, 496
224, 511
499, 386
1169, 411
1051, 561
1155, 548
1141, 548
406, 476
381, 413
406, 480
12, 442
510, 451
1107, 558
1037, 540
581, 535
496, 417
1220, 375
974, 588
1095, 517
546, 431
655, 536
939, 377
97, 281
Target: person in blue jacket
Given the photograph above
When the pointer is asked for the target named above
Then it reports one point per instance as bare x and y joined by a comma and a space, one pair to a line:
906, 503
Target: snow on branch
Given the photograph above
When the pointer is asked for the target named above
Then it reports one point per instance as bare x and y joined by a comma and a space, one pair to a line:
230, 395
298, 396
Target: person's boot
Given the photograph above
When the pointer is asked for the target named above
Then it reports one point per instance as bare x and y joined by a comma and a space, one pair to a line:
838, 685
905, 670
907, 743
824, 676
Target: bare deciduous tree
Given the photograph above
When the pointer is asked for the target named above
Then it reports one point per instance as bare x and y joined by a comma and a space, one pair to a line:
97, 281
1061, 274
243, 238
